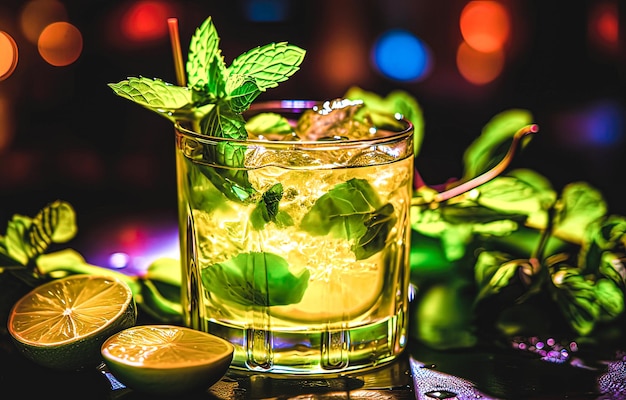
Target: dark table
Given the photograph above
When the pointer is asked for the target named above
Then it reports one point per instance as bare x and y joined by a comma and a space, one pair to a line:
420, 373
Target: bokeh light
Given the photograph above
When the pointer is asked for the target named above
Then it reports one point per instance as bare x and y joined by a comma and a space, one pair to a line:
8, 55
7, 123
599, 124
485, 25
604, 25
479, 67
60, 44
266, 10
146, 21
38, 14
400, 55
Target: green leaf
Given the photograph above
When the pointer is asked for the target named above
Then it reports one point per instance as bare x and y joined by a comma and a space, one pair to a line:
154, 94
576, 297
494, 271
603, 250
268, 65
15, 247
206, 70
223, 122
580, 205
266, 210
352, 210
611, 299
397, 101
265, 123
256, 279
377, 228
612, 267
489, 148
529, 195
243, 92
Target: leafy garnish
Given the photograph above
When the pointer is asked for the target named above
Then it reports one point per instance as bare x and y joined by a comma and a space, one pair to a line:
215, 95
256, 278
352, 211
215, 98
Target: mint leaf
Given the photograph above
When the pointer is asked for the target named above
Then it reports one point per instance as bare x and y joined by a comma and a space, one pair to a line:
353, 211
154, 94
243, 92
580, 205
494, 141
377, 227
256, 279
266, 123
205, 64
268, 65
267, 209
222, 122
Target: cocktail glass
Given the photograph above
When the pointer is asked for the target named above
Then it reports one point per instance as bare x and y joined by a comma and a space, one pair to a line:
296, 250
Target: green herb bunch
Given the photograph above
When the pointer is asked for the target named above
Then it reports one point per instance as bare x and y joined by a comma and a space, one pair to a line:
515, 256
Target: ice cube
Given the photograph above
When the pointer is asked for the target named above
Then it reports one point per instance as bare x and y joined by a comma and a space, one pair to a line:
333, 119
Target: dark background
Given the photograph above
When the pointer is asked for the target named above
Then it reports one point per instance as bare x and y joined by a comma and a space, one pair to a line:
71, 138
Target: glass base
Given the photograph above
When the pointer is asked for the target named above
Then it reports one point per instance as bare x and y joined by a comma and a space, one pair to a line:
315, 352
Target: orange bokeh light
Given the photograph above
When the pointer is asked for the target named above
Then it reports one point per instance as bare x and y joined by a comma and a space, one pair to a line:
60, 44
485, 25
145, 21
479, 67
37, 14
8, 55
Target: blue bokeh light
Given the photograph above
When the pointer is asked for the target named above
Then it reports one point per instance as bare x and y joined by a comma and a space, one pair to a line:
597, 125
266, 10
400, 55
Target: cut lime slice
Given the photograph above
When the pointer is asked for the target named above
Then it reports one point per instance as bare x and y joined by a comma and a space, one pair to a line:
167, 359
62, 324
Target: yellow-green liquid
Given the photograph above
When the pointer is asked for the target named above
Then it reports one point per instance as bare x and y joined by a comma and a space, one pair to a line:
353, 313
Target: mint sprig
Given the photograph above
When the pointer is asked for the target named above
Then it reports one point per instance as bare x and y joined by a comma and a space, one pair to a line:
215, 95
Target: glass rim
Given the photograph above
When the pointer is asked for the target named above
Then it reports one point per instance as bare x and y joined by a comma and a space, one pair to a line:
297, 106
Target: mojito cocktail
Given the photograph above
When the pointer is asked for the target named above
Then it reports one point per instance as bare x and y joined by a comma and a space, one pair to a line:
294, 216
298, 254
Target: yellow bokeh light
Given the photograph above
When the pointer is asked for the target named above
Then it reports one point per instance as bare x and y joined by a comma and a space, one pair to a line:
60, 44
37, 14
8, 55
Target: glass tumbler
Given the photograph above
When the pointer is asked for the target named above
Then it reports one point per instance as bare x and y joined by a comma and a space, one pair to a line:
296, 250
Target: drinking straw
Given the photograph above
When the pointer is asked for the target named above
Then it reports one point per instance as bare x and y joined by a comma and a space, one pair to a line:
177, 52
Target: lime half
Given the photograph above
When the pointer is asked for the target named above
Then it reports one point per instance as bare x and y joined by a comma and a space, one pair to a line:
167, 359
62, 324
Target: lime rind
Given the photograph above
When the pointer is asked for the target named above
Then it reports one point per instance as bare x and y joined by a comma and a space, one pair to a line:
78, 350
167, 359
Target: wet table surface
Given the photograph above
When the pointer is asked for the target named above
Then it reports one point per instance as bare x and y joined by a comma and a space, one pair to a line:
420, 373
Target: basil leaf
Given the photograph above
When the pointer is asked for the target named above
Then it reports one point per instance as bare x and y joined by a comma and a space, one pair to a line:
255, 279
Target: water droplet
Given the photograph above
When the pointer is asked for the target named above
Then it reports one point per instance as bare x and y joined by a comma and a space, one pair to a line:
440, 394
